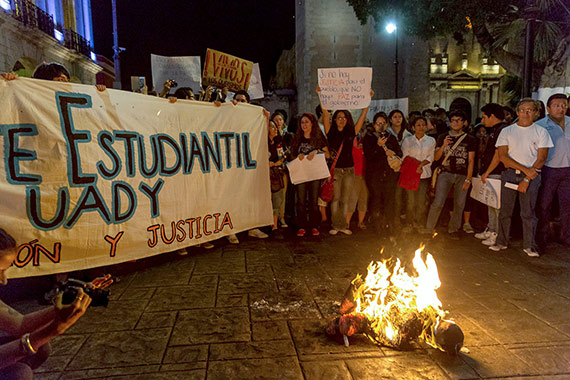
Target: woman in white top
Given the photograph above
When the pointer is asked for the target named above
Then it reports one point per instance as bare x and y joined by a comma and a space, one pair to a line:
421, 147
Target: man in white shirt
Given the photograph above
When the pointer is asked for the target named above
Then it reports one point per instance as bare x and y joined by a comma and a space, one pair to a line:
556, 171
523, 149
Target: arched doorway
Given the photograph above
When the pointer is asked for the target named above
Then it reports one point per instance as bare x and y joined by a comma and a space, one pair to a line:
463, 105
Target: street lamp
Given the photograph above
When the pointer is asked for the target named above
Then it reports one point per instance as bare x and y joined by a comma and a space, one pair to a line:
392, 28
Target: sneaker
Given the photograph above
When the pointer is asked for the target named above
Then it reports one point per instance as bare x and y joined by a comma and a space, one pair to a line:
483, 235
301, 232
346, 231
454, 235
233, 239
333, 232
531, 252
491, 239
182, 252
315, 232
497, 247
362, 226
468, 229
257, 233
283, 222
207, 245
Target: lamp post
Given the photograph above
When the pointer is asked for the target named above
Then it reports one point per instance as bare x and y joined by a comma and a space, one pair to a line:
116, 49
392, 28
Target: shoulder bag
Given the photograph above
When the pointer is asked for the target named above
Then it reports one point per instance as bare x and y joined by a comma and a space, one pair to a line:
439, 168
327, 187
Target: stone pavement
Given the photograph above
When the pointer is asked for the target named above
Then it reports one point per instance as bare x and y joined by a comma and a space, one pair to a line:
258, 311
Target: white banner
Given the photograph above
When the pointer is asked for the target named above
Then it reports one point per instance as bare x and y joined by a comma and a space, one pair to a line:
488, 193
94, 178
306, 170
186, 71
387, 105
345, 88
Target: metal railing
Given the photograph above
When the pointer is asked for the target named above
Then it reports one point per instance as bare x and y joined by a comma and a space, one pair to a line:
32, 16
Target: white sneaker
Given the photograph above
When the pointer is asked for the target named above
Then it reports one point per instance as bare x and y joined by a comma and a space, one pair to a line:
283, 222
182, 252
491, 239
257, 233
233, 239
497, 247
483, 235
468, 229
346, 231
333, 232
531, 252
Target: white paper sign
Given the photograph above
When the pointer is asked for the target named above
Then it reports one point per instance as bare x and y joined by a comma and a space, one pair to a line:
488, 193
345, 87
387, 105
255, 89
308, 170
184, 70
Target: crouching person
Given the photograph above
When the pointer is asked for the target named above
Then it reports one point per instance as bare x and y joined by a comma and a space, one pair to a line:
24, 345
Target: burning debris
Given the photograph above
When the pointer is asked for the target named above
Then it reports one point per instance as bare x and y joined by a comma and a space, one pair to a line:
393, 308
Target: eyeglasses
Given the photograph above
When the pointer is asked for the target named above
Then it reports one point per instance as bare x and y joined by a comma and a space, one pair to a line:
526, 110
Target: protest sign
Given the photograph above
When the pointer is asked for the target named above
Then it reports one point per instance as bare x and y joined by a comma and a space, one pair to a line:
306, 170
255, 90
91, 178
488, 193
345, 88
184, 70
224, 70
388, 105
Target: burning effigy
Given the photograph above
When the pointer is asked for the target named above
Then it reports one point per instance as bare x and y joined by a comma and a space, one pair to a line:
393, 308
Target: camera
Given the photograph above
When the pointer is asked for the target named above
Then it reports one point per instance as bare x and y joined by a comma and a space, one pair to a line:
172, 83
99, 297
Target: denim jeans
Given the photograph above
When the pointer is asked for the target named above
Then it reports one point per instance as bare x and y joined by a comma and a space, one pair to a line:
343, 182
308, 190
445, 181
416, 210
554, 181
493, 213
527, 202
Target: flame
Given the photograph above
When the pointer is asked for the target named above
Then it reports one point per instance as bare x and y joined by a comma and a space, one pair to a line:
400, 306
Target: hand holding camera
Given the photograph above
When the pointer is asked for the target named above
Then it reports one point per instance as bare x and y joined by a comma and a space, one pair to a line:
67, 314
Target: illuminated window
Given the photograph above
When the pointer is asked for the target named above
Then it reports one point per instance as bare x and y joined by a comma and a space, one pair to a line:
490, 66
464, 61
438, 64
5, 4
58, 35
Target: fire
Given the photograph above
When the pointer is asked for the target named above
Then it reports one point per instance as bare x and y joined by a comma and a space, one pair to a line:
400, 306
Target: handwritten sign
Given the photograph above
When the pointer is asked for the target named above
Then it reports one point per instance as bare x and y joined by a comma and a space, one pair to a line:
488, 193
387, 105
255, 89
345, 88
100, 178
184, 70
224, 70
306, 170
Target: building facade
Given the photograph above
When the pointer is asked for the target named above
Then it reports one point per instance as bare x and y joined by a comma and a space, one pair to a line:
32, 32
435, 73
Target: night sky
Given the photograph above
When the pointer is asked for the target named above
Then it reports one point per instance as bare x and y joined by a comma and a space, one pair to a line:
256, 30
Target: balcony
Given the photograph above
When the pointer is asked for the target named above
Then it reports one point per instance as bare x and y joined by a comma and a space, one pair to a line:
26, 12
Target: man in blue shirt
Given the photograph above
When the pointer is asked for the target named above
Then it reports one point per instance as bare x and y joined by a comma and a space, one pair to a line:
556, 171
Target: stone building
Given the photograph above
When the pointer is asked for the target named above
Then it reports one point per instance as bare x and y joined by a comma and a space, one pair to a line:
437, 72
61, 31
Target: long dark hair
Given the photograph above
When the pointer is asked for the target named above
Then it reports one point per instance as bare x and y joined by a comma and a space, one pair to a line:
404, 123
349, 123
7, 242
51, 70
317, 138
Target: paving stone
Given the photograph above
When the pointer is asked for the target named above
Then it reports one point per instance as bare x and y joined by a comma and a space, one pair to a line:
117, 316
231, 300
54, 364
66, 344
551, 308
211, 326
282, 306
245, 283
395, 367
128, 372
270, 330
545, 360
183, 367
181, 375
186, 354
228, 264
136, 293
259, 369
474, 334
182, 297
47, 376
326, 370
453, 365
125, 348
161, 276
495, 361
156, 320
252, 350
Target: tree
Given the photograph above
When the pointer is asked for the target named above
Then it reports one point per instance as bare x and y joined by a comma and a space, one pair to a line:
498, 25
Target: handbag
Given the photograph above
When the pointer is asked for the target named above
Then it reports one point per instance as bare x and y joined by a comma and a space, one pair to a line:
276, 177
439, 168
327, 187
394, 161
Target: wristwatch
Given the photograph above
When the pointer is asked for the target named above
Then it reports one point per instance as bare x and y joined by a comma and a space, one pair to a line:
526, 179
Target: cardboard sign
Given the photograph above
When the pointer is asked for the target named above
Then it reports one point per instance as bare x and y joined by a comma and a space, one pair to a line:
345, 88
91, 178
224, 70
488, 193
306, 170
388, 105
184, 70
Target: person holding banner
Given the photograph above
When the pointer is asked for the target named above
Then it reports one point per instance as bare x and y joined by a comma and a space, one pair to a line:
340, 135
381, 179
24, 341
307, 142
